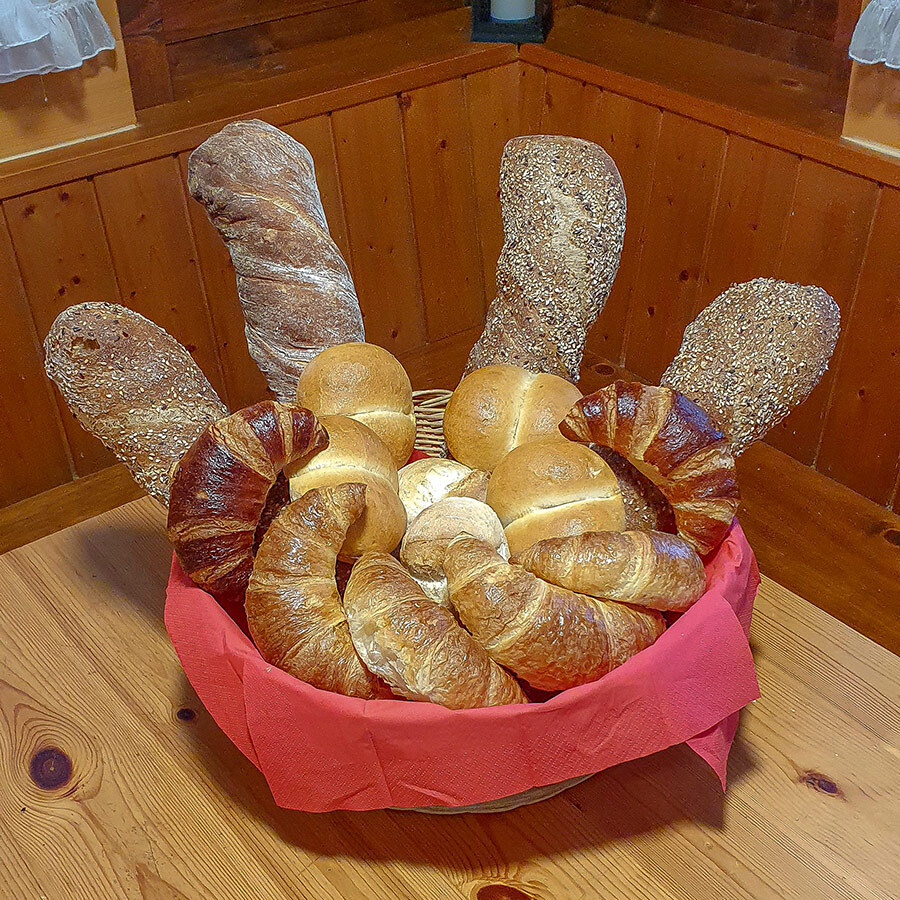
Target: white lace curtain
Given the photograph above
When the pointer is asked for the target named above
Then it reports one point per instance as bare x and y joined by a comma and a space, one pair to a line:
876, 38
41, 36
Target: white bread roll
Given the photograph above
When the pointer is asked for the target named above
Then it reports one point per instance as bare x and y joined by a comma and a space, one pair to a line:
498, 408
366, 383
429, 534
427, 481
356, 454
552, 488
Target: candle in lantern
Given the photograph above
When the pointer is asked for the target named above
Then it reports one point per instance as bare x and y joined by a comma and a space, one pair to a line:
512, 10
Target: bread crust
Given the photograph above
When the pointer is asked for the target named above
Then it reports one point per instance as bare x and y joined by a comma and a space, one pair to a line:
294, 610
672, 441
219, 490
417, 646
133, 386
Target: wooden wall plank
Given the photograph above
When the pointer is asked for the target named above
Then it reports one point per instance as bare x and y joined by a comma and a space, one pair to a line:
146, 219
442, 189
562, 107
244, 383
64, 259
315, 134
32, 450
688, 163
145, 48
825, 242
372, 167
751, 216
531, 97
861, 442
492, 98
629, 132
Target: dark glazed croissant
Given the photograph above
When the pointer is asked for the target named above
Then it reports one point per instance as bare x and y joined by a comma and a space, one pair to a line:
220, 485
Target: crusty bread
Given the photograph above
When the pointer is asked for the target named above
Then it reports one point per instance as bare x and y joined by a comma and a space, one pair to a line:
563, 208
652, 569
416, 646
259, 188
131, 385
672, 441
219, 490
426, 539
366, 383
550, 488
755, 353
427, 481
646, 509
356, 453
551, 637
497, 408
294, 611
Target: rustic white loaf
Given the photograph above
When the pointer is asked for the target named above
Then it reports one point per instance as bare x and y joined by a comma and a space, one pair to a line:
259, 188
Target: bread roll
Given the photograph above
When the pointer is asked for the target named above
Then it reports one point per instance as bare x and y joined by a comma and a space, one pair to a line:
356, 453
294, 611
426, 539
366, 383
551, 488
673, 442
656, 570
563, 208
416, 646
756, 352
551, 637
219, 489
498, 408
131, 385
259, 189
427, 481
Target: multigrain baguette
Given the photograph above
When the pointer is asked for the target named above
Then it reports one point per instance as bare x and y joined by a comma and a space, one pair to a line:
259, 188
133, 386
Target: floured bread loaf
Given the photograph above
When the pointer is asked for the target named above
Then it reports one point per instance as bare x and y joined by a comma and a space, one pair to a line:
259, 188
755, 353
427, 481
563, 208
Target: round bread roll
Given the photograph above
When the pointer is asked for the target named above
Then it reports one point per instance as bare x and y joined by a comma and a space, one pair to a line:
552, 488
429, 534
498, 408
366, 383
427, 481
356, 453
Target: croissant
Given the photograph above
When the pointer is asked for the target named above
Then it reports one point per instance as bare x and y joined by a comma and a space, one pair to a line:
293, 606
551, 637
673, 442
417, 646
219, 489
652, 569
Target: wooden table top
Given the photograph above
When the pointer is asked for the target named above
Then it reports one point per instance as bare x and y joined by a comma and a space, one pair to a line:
115, 783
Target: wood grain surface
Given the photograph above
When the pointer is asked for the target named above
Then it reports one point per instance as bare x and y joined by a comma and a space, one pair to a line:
118, 785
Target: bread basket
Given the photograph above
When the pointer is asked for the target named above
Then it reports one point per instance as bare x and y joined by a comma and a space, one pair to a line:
321, 751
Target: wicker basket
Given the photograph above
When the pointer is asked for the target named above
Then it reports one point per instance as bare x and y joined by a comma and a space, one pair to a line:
428, 408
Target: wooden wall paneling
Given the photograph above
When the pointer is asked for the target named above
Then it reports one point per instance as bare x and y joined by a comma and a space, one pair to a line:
33, 455
146, 219
751, 217
861, 441
824, 245
562, 108
629, 131
372, 167
532, 80
445, 212
244, 383
492, 98
145, 48
64, 259
315, 134
685, 180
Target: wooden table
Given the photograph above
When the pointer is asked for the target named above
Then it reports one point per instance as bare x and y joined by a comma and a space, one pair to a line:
115, 783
